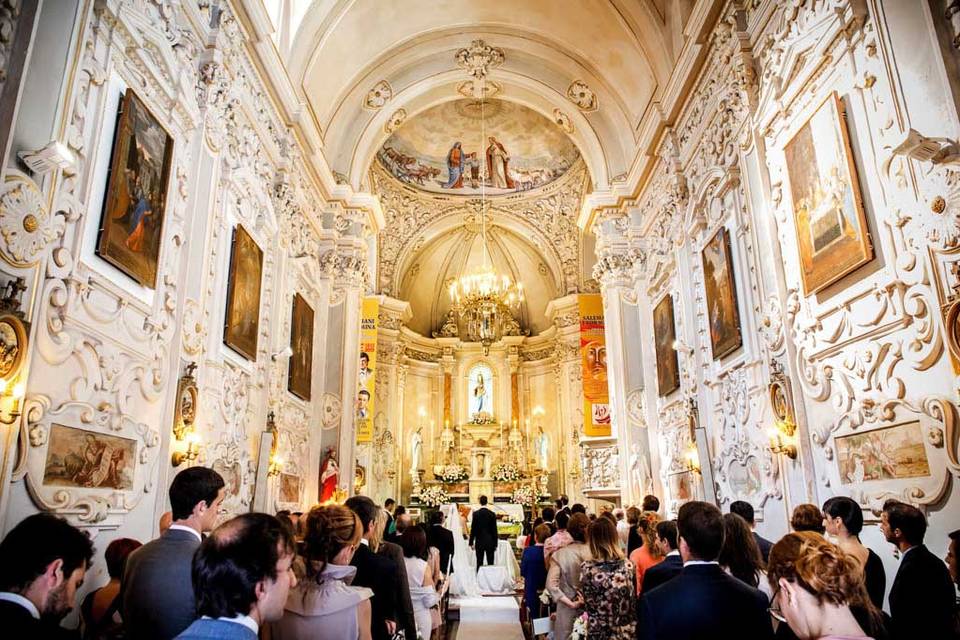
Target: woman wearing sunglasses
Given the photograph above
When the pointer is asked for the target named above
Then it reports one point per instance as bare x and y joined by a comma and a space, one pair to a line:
819, 590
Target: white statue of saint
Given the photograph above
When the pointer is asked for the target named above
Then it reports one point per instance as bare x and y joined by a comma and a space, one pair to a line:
416, 450
640, 476
543, 449
479, 396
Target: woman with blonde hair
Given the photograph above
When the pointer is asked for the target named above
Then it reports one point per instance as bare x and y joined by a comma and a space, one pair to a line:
819, 590
324, 606
606, 581
563, 575
648, 554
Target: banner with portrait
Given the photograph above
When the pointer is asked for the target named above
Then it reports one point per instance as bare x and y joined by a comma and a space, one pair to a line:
366, 372
593, 357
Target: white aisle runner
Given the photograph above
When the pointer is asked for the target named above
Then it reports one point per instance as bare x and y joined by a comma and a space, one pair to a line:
490, 618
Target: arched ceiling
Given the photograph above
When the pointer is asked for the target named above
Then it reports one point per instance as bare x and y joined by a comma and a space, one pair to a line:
365, 66
425, 283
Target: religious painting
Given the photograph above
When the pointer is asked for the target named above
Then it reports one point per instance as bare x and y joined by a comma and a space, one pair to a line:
445, 150
682, 488
480, 393
744, 477
722, 312
230, 472
301, 344
242, 324
81, 458
664, 336
131, 225
891, 453
832, 235
289, 488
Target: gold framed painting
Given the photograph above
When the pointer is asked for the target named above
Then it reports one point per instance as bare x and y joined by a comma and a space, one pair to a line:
301, 344
832, 235
131, 225
242, 323
723, 314
665, 334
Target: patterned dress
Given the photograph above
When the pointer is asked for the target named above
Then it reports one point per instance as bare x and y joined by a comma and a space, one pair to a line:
610, 596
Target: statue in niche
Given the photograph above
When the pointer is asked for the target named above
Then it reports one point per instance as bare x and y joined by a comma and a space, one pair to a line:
416, 450
480, 393
449, 329
640, 477
543, 448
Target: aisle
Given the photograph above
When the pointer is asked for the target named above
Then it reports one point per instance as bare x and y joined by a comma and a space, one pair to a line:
488, 617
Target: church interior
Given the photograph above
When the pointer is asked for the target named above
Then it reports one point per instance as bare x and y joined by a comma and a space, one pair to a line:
428, 251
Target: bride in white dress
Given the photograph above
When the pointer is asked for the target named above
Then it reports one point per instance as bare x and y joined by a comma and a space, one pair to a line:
463, 580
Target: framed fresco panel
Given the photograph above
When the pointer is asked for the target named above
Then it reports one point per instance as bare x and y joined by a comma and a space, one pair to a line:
890, 453
832, 235
301, 343
665, 334
289, 488
242, 323
723, 313
131, 225
81, 458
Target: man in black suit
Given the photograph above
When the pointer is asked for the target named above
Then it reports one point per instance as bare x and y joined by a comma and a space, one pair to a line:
156, 592
389, 505
375, 572
703, 601
483, 533
922, 597
745, 511
442, 538
42, 563
671, 565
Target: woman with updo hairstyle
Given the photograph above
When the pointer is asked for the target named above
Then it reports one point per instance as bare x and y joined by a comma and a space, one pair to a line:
648, 554
563, 576
843, 519
323, 606
819, 590
807, 517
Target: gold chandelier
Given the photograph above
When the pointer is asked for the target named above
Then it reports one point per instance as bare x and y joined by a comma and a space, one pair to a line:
483, 299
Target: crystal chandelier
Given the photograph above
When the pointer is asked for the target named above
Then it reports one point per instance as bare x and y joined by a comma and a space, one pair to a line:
483, 299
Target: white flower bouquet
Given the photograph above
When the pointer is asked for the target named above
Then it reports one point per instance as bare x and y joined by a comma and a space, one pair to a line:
524, 494
434, 496
453, 473
579, 628
507, 472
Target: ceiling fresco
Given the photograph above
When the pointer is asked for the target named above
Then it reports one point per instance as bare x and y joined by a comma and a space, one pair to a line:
445, 150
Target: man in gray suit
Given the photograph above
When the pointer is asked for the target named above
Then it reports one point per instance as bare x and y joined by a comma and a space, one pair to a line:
156, 592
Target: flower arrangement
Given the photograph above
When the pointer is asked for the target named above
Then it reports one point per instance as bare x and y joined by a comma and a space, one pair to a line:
524, 494
483, 418
545, 597
434, 496
579, 628
453, 473
507, 472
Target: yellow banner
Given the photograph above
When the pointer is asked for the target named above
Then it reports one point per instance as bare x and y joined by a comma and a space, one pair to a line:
368, 363
593, 355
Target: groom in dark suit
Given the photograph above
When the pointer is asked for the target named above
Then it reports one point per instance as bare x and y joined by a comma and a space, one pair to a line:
483, 533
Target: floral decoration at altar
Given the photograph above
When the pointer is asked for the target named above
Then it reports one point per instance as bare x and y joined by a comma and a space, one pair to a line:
524, 495
507, 472
453, 473
434, 496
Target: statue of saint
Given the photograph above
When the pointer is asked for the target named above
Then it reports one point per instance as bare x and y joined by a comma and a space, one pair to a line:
543, 449
416, 450
640, 476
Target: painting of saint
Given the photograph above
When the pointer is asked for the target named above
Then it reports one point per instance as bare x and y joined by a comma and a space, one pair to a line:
289, 488
891, 453
498, 166
664, 336
242, 324
828, 215
131, 225
455, 165
480, 400
301, 344
80, 458
721, 289
682, 488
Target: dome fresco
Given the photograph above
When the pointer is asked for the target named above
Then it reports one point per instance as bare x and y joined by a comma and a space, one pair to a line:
445, 150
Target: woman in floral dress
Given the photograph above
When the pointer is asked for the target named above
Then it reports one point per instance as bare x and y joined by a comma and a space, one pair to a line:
608, 585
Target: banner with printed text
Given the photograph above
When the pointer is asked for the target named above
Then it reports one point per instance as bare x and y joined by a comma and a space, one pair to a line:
593, 357
368, 363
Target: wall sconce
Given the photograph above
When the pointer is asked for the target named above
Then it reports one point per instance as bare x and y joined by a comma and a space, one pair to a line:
14, 345
692, 459
275, 467
781, 434
192, 451
682, 347
187, 398
778, 445
12, 393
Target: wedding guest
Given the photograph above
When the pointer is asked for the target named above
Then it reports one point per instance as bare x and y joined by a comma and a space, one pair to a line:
634, 539
606, 582
394, 552
651, 503
558, 540
578, 508
817, 588
42, 563
442, 538
922, 598
672, 564
419, 578
843, 521
166, 519
100, 610
563, 576
648, 554
725, 607
549, 515
534, 570
389, 505
562, 503
324, 605
623, 528
740, 555
375, 572
242, 574
807, 517
745, 511
951, 559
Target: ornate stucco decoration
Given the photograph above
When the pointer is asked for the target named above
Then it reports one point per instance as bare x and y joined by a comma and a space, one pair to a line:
472, 89
563, 121
601, 467
583, 96
27, 227
397, 119
379, 95
479, 58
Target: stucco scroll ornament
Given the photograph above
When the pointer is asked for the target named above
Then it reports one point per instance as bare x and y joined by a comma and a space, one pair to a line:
396, 119
330, 410
637, 408
27, 227
79, 467
583, 96
479, 58
771, 324
379, 95
563, 121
